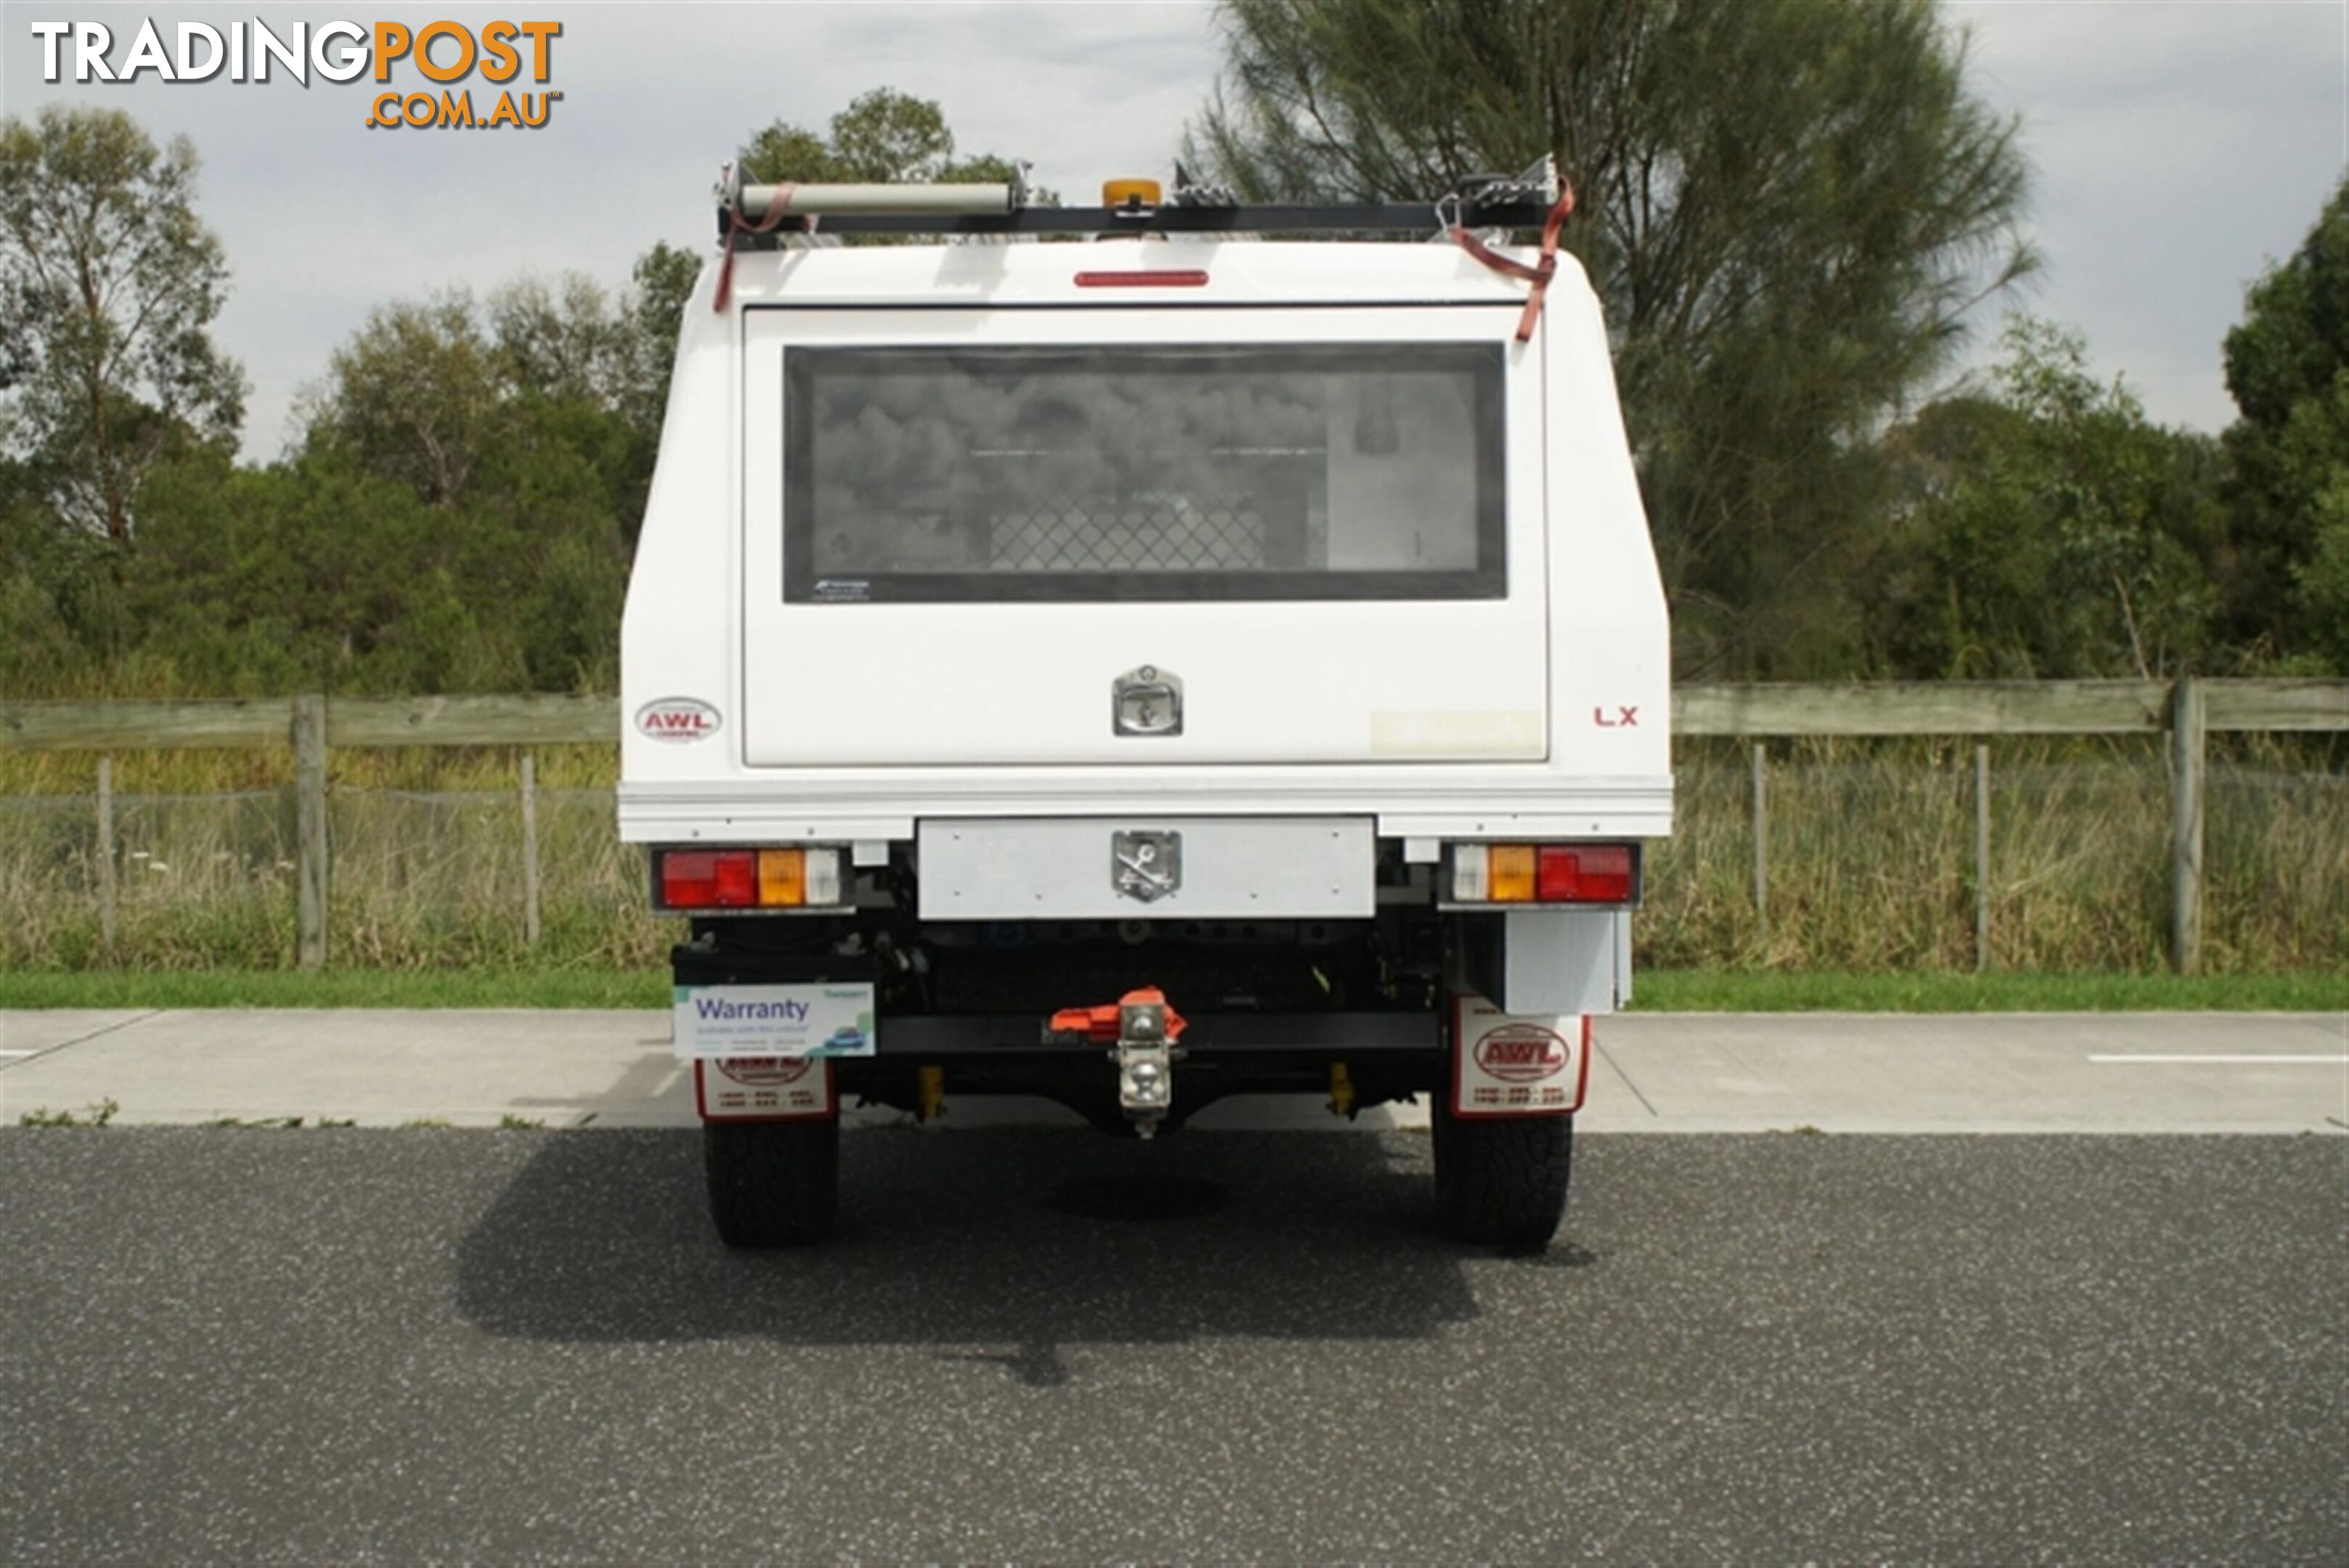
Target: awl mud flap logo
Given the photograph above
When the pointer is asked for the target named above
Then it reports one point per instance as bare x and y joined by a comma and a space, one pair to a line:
678, 718
765, 1072
1522, 1054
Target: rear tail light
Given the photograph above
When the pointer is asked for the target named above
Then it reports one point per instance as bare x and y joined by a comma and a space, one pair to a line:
782, 876
736, 887
1511, 877
796, 878
1544, 874
688, 879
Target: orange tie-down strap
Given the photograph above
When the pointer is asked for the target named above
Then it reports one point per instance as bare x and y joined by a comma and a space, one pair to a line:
1538, 274
1103, 1023
777, 212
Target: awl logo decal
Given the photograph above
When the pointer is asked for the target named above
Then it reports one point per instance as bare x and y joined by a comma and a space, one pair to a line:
766, 1071
678, 718
1522, 1054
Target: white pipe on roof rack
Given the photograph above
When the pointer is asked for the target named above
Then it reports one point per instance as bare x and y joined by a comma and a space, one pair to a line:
942, 201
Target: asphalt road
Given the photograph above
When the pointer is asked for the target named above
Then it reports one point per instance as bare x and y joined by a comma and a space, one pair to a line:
512, 1345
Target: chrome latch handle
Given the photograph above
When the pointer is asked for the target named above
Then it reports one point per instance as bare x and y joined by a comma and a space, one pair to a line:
1146, 701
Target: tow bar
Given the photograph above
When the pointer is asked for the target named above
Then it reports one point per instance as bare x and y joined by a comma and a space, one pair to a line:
1141, 1030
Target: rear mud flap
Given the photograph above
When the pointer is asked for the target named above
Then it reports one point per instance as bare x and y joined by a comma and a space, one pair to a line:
1511, 1065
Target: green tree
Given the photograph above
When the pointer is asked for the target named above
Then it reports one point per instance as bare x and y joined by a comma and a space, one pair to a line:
2287, 578
1787, 206
885, 137
108, 283
292, 576
2046, 529
413, 395
522, 430
663, 279
425, 388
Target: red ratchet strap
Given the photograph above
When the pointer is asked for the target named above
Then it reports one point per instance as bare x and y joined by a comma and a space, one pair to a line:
1106, 1024
777, 210
1538, 274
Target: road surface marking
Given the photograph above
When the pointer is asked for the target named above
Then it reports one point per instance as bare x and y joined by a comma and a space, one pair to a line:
2270, 1061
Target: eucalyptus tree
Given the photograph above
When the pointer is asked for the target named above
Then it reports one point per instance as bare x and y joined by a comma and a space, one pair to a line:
108, 287
1787, 206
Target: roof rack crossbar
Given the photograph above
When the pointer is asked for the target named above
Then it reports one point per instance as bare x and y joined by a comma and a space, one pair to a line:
1394, 218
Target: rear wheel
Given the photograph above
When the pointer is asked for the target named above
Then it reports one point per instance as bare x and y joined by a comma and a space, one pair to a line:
772, 1184
1501, 1180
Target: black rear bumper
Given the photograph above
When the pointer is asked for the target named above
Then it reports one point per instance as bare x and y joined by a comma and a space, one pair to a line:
1386, 1055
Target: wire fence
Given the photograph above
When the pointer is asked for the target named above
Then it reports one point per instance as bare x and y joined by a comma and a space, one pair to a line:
1868, 861
421, 879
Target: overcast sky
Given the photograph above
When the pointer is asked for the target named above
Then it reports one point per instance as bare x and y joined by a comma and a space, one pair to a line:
2181, 146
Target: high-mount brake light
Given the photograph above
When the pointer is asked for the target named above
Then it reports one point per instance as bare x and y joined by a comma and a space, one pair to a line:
1544, 874
793, 878
1153, 277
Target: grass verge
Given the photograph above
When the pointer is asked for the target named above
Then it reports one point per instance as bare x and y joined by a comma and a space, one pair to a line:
1659, 991
335, 988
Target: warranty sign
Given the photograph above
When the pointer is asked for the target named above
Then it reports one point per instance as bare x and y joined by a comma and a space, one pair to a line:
814, 1019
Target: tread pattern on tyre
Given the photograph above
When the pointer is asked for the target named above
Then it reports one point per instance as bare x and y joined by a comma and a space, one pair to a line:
1502, 1182
772, 1184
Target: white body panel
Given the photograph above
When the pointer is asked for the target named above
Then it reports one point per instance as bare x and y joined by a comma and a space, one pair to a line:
1544, 714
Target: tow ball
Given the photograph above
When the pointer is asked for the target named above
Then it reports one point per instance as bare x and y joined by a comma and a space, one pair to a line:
1141, 1030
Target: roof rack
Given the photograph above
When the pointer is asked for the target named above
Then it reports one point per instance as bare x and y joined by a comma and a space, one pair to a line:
757, 217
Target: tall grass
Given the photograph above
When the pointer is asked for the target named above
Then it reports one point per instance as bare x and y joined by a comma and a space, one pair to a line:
1870, 857
1870, 850
427, 857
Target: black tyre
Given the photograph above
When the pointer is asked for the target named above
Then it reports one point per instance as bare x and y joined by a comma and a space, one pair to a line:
1501, 1181
772, 1184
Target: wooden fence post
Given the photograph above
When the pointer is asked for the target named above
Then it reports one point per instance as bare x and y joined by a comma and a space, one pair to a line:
529, 850
1981, 858
106, 859
2187, 753
310, 873
1761, 850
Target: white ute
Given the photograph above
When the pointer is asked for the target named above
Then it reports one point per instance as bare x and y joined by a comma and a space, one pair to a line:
1126, 656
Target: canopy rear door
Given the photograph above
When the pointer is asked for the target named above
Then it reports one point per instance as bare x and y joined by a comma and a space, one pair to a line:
1142, 535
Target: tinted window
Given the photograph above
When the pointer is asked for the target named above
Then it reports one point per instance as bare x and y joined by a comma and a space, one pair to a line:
1156, 472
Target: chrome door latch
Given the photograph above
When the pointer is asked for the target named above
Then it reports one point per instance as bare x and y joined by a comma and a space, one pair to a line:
1146, 701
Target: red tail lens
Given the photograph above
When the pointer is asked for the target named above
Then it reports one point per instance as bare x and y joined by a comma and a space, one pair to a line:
737, 877
709, 879
1584, 874
1164, 277
1606, 873
688, 879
